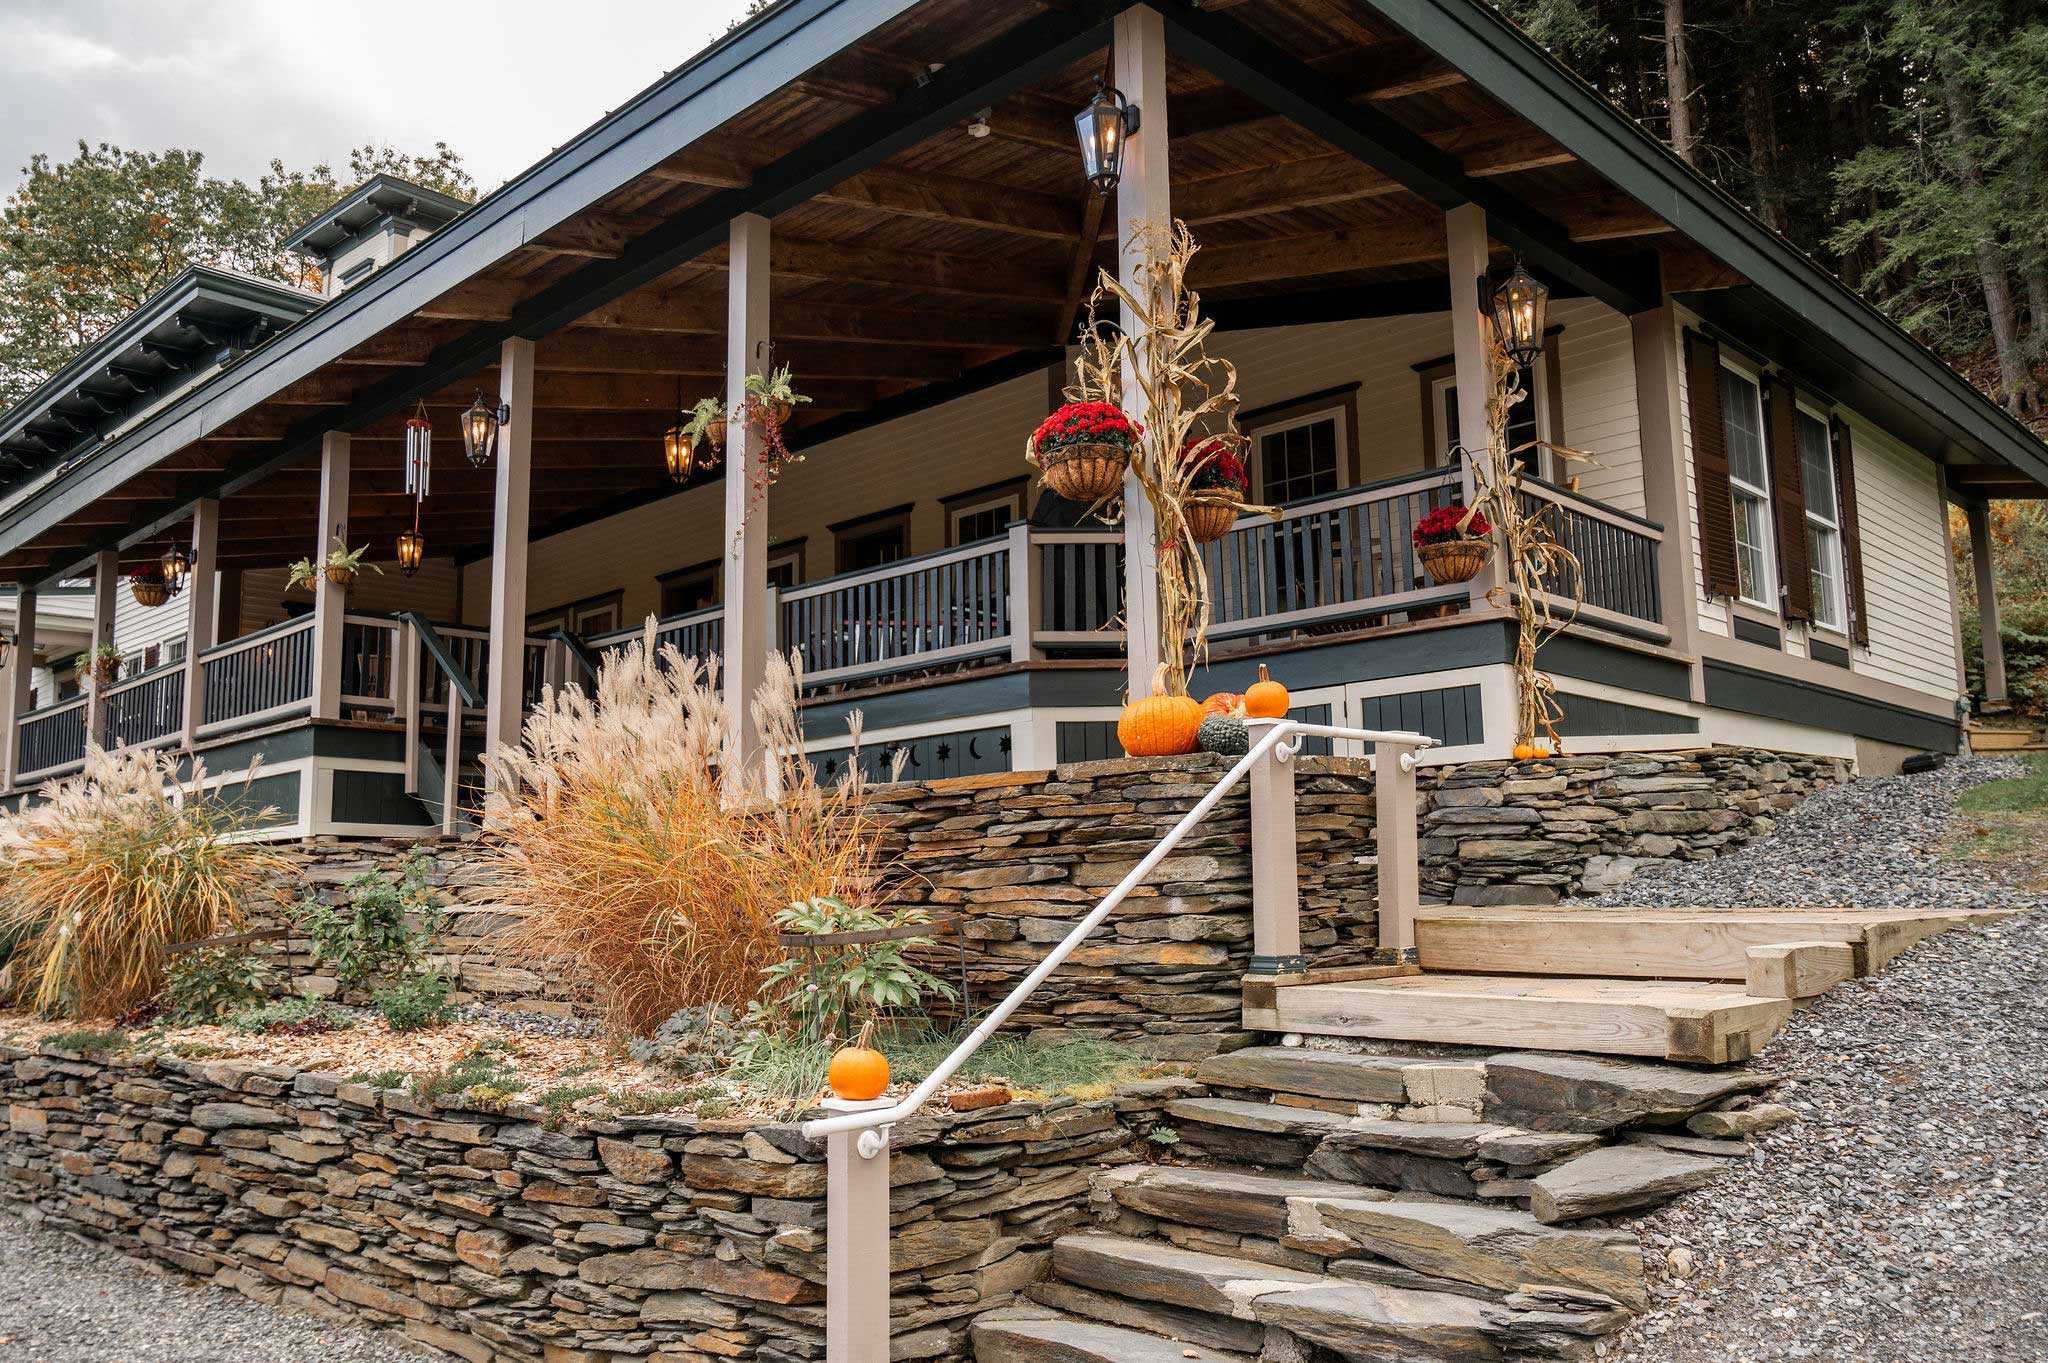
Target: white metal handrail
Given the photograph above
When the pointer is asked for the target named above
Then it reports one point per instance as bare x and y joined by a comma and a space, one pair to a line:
1274, 741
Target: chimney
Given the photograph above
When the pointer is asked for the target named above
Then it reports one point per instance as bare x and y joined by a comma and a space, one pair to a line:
377, 222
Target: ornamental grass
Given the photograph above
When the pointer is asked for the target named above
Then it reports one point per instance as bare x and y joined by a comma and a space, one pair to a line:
633, 863
108, 869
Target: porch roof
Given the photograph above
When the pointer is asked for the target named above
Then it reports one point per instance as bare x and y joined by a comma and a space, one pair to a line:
1314, 145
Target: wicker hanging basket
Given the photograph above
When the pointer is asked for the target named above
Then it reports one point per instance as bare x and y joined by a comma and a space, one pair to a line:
340, 577
715, 433
149, 595
1083, 473
1455, 560
1212, 515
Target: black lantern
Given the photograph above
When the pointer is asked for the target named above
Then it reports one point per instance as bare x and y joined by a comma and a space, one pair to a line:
177, 566
412, 547
1103, 127
678, 451
480, 429
1519, 305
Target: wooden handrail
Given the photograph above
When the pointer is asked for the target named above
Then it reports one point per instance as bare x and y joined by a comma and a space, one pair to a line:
437, 649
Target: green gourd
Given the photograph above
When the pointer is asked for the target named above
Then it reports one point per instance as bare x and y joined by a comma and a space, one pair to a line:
1220, 734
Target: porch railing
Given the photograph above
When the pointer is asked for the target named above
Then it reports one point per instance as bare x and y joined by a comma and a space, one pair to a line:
52, 740
1617, 553
694, 634
145, 709
932, 609
261, 676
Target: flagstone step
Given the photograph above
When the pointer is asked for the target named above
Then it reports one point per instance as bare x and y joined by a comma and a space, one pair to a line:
1695, 1021
1242, 1201
1002, 1340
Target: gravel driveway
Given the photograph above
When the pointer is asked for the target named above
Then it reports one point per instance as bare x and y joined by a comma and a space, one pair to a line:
1905, 1217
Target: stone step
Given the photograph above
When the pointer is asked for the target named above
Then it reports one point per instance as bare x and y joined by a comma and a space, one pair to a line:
1699, 1022
1318, 1074
1355, 1318
1502, 1250
1668, 944
1242, 1201
999, 1339
1619, 1178
1548, 1091
1254, 1133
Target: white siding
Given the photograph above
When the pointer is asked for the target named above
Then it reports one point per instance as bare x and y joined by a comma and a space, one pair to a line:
1597, 356
1906, 565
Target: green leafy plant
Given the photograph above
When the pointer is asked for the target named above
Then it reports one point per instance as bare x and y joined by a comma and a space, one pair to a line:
485, 1065
778, 385
414, 1001
207, 983
381, 1079
706, 1100
703, 416
382, 934
562, 1098
829, 990
289, 1017
87, 1042
340, 559
198, 1050
103, 659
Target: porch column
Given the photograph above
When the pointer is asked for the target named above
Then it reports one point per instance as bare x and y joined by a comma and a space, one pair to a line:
199, 606
1979, 517
749, 632
19, 696
1465, 233
1144, 199
106, 583
505, 689
330, 602
1655, 337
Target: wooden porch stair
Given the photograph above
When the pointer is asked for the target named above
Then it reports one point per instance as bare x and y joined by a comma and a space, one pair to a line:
1708, 986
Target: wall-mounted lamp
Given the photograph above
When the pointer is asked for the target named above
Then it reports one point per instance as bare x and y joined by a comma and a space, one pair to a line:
177, 567
480, 429
1519, 307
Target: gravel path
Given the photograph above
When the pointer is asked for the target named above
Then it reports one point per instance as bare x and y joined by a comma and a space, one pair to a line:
1905, 1217
65, 1301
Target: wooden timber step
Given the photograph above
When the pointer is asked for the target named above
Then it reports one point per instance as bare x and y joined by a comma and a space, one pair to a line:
1674, 944
1354, 1317
1694, 1021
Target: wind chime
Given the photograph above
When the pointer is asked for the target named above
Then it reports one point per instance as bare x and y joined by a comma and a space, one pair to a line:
419, 467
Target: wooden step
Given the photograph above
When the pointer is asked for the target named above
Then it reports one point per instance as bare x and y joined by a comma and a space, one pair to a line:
1004, 1340
1702, 1023
1671, 944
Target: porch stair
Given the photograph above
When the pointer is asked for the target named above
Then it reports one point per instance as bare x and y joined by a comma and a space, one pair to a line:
1703, 986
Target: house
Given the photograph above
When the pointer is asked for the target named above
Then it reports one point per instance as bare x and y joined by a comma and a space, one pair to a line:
888, 197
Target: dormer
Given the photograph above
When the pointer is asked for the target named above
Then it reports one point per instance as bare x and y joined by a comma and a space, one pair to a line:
380, 220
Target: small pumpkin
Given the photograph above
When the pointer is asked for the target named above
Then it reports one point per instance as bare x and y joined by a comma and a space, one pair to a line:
1160, 725
1228, 704
859, 1073
1528, 752
1225, 735
1266, 698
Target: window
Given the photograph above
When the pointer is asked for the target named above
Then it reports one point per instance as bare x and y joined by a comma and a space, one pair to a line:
1823, 522
1528, 420
691, 589
786, 566
872, 541
984, 512
174, 650
1298, 458
1742, 413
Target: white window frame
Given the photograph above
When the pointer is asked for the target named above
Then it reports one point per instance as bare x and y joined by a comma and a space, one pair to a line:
1539, 376
1838, 597
1013, 502
791, 555
1767, 580
1255, 437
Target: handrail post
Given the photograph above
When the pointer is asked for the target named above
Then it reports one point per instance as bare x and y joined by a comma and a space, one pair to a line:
1276, 889
451, 764
1023, 594
856, 1240
1400, 895
405, 693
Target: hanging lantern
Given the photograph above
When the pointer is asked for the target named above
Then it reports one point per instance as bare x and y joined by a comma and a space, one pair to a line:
678, 451
480, 429
177, 566
419, 453
412, 548
1519, 306
1103, 128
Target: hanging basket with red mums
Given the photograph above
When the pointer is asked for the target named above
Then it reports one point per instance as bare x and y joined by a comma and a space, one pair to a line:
1454, 543
1216, 483
148, 587
1082, 450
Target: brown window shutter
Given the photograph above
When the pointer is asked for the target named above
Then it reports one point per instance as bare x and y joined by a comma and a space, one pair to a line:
1788, 497
1852, 538
1710, 465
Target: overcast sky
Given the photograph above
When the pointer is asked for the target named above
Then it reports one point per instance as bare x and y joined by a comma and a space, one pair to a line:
501, 81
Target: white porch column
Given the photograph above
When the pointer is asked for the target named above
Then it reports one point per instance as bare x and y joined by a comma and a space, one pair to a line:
749, 630
200, 625
21, 667
330, 602
1465, 233
1987, 603
106, 584
505, 689
1144, 199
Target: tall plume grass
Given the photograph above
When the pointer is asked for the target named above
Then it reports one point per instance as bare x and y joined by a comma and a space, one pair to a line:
633, 864
108, 869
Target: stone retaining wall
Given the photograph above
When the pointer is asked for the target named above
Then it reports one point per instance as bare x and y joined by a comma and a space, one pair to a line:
1025, 854
489, 1236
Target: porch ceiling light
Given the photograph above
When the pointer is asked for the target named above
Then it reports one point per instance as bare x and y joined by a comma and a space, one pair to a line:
1103, 128
412, 549
1519, 308
678, 451
177, 566
480, 429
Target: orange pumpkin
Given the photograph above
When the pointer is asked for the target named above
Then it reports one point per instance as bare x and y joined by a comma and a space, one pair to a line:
859, 1073
1265, 698
1160, 725
1527, 752
1226, 704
